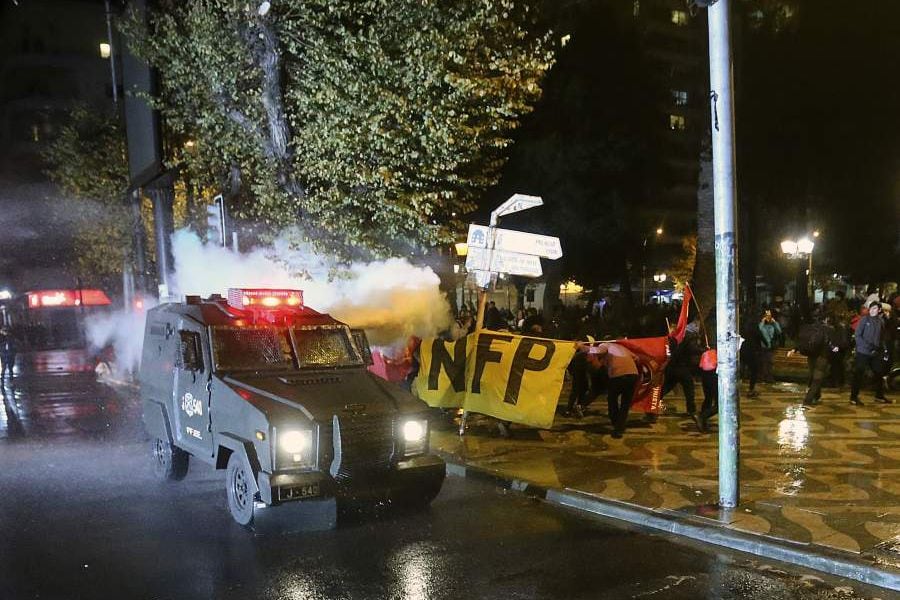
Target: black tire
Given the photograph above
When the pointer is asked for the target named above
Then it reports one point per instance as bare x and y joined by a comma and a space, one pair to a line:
240, 490
170, 463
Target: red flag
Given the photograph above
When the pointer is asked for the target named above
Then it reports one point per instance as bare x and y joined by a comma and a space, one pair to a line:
681, 327
650, 356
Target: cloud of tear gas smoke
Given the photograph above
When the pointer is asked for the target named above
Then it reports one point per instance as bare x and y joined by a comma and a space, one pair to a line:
124, 331
391, 299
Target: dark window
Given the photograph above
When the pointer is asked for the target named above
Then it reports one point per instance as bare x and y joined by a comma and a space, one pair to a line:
190, 356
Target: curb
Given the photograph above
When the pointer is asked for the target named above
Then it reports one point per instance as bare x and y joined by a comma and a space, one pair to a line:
818, 558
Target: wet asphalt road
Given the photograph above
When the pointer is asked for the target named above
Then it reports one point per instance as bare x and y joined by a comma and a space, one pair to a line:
81, 517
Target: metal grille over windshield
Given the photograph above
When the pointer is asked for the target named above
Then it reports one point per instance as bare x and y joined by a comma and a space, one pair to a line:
252, 348
325, 347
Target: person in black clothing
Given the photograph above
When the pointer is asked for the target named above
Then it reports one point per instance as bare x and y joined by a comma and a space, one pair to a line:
683, 359
709, 379
816, 341
870, 353
580, 394
837, 360
492, 317
8, 350
751, 354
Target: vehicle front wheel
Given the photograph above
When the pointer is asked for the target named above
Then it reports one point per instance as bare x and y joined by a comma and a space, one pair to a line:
240, 489
170, 463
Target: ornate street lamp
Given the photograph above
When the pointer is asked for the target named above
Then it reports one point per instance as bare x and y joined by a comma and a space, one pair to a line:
798, 250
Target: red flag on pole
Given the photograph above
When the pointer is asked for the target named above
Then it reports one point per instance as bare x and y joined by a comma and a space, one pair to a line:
683, 315
650, 356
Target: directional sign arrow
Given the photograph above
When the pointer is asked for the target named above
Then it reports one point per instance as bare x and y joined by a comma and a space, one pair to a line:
515, 241
515, 203
500, 261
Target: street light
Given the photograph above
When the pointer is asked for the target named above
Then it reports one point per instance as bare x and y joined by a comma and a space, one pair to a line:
659, 278
798, 250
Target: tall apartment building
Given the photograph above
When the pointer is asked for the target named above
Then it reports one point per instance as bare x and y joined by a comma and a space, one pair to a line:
50, 58
674, 41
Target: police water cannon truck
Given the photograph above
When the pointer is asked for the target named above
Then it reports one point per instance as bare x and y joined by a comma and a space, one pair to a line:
279, 396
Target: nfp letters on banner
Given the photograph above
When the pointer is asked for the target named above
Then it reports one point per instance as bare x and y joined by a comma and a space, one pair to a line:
510, 377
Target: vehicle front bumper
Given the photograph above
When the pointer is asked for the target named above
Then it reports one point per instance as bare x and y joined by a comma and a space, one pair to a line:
419, 476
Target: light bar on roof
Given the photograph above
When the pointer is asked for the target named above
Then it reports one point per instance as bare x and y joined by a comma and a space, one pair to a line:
63, 298
259, 298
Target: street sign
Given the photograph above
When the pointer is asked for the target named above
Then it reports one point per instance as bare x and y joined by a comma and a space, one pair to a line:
515, 241
501, 261
516, 203
215, 221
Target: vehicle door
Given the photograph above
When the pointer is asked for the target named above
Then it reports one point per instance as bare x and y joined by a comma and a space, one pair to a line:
191, 395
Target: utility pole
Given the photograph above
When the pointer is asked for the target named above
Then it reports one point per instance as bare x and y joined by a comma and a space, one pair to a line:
112, 56
721, 78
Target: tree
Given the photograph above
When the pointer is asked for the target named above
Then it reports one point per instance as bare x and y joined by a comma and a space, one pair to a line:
88, 161
374, 123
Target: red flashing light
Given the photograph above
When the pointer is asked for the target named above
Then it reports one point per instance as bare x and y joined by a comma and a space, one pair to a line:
61, 298
263, 299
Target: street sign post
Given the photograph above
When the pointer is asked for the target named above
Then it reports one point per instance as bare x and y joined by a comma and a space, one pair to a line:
492, 250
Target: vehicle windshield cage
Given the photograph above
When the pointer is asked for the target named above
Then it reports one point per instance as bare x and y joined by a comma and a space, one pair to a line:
325, 346
269, 347
251, 348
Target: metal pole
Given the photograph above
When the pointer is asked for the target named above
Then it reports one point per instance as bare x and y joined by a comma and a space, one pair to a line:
725, 213
811, 291
112, 56
482, 302
162, 221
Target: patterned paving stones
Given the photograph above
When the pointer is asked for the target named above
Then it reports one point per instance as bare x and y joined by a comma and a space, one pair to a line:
827, 475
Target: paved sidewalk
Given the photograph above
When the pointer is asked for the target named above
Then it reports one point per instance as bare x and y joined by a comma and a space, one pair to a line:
827, 478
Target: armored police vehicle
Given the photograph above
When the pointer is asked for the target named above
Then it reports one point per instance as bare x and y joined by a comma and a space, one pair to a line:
279, 396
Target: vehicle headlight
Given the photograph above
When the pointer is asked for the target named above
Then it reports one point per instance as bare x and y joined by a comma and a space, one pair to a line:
295, 446
414, 431
415, 436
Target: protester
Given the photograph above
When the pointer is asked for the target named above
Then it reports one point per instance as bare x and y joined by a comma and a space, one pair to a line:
580, 396
492, 317
683, 359
8, 350
870, 353
623, 376
770, 334
751, 353
409, 360
709, 379
816, 341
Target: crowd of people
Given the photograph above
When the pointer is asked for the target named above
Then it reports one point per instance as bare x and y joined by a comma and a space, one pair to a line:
863, 330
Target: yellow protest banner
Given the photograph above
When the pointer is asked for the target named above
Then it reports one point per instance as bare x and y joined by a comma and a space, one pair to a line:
511, 377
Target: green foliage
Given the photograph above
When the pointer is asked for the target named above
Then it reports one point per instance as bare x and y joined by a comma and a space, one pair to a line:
377, 123
88, 161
